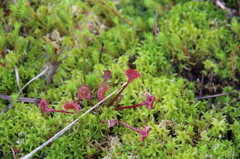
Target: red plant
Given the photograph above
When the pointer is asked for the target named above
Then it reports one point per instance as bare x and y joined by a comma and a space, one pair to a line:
84, 92
107, 75
131, 75
149, 102
144, 133
101, 91
45, 109
72, 105
103, 87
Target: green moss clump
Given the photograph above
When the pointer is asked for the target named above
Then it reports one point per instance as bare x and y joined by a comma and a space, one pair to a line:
195, 53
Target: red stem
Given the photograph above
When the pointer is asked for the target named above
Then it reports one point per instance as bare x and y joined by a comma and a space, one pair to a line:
118, 95
61, 111
132, 106
129, 126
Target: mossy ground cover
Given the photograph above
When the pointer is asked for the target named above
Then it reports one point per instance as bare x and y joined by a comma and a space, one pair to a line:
183, 50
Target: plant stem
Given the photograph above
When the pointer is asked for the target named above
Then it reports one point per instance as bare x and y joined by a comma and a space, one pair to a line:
118, 94
61, 111
132, 106
129, 126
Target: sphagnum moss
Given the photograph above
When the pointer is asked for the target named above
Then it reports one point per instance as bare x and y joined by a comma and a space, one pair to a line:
197, 43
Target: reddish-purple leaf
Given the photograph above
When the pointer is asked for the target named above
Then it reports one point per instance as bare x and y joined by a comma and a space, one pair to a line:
144, 132
84, 93
101, 91
112, 123
107, 75
45, 109
72, 105
150, 100
103, 87
132, 74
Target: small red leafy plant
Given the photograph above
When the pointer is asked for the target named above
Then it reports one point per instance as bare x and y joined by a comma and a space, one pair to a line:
45, 108
72, 105
149, 102
144, 133
85, 93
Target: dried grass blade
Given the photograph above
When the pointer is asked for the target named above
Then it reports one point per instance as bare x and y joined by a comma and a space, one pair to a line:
39, 75
17, 77
53, 70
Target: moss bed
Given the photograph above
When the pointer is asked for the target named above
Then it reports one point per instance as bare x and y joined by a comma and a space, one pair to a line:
183, 57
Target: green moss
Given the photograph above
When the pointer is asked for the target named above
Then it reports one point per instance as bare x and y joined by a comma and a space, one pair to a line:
196, 50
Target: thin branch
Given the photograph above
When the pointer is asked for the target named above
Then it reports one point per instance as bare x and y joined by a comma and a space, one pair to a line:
69, 126
53, 70
14, 155
213, 96
17, 78
42, 73
119, 153
220, 5
3, 3
22, 99
115, 12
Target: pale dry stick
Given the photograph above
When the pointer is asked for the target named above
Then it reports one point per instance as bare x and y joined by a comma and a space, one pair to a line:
17, 78
70, 125
220, 5
42, 73
14, 155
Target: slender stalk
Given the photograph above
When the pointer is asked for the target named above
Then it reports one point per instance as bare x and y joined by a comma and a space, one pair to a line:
118, 94
61, 111
129, 126
132, 106
213, 96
